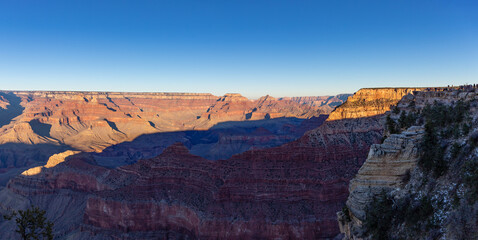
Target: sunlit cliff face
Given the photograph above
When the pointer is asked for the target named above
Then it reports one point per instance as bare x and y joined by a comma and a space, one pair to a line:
368, 102
52, 162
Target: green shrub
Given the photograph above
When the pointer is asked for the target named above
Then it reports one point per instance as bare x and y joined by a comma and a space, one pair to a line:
346, 212
470, 178
32, 224
455, 150
419, 211
391, 125
407, 120
432, 158
402, 121
379, 216
411, 104
396, 110
456, 132
474, 139
383, 213
440, 115
465, 128
446, 121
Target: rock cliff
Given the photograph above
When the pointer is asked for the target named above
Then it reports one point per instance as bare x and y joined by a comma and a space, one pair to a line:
328, 103
369, 102
385, 169
420, 183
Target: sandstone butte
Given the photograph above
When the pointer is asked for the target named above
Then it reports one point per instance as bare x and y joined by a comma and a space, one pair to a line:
288, 192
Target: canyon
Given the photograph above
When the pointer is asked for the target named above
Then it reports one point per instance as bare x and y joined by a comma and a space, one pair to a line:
161, 190
35, 125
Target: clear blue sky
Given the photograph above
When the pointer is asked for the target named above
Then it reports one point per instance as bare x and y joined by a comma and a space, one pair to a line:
281, 48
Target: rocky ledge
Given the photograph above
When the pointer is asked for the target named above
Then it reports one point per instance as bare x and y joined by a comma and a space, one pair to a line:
387, 166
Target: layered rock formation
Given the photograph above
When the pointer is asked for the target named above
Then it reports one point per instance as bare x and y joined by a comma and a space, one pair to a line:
325, 102
370, 102
288, 192
52, 162
234, 107
385, 169
416, 200
93, 121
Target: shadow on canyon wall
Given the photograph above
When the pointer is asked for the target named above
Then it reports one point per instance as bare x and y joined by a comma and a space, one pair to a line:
14, 109
18, 157
39, 128
219, 142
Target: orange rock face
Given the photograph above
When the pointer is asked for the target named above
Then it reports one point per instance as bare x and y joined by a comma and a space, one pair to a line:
369, 102
93, 121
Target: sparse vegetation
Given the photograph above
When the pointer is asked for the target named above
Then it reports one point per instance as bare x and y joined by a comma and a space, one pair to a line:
396, 110
432, 154
465, 128
385, 212
407, 120
440, 115
418, 213
32, 224
391, 125
455, 150
474, 139
379, 216
470, 177
346, 212
448, 119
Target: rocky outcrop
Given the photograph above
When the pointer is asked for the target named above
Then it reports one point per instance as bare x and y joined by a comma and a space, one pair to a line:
398, 187
369, 102
386, 167
54, 160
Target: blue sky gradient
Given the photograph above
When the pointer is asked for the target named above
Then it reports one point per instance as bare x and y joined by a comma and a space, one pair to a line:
281, 48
